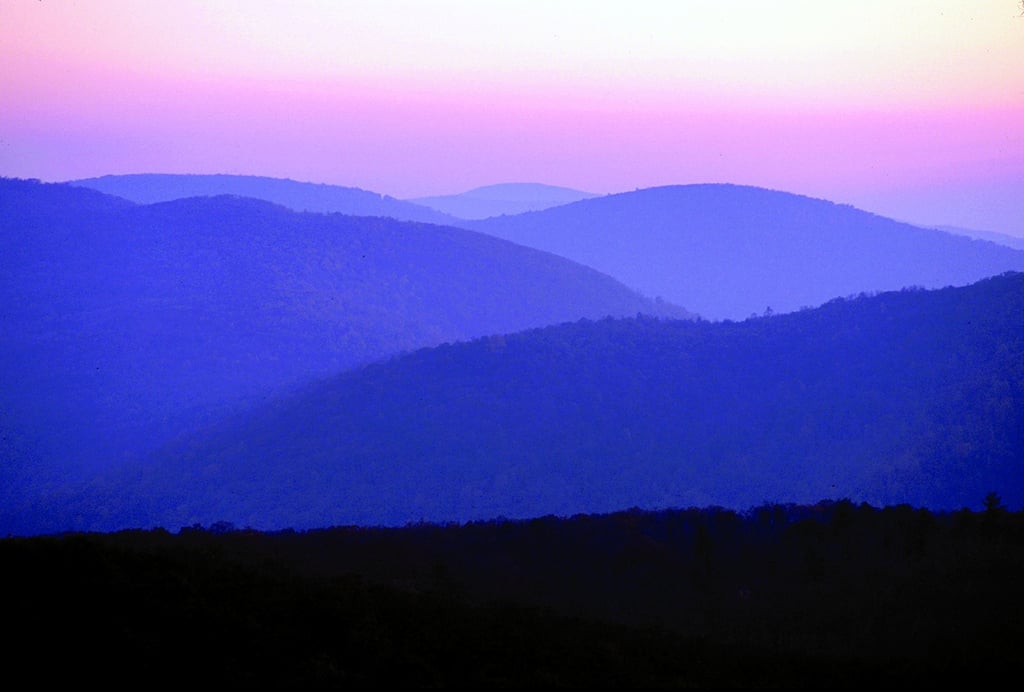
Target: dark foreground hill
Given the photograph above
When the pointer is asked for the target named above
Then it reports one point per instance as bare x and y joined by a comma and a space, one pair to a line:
148, 188
911, 396
729, 251
824, 596
124, 325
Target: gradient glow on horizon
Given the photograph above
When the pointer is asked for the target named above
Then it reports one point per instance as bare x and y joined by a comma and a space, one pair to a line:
908, 108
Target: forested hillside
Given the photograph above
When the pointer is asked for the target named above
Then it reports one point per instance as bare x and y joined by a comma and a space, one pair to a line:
910, 396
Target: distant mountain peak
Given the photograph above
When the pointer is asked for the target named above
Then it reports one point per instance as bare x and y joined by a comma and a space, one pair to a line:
503, 199
527, 192
727, 251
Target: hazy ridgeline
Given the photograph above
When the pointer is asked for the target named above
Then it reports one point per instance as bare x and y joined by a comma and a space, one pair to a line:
729, 251
721, 251
296, 195
502, 200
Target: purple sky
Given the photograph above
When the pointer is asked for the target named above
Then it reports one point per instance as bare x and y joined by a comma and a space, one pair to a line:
907, 108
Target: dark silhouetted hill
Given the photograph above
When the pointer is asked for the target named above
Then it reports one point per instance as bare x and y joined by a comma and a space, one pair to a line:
124, 325
729, 251
505, 198
909, 396
833, 595
148, 188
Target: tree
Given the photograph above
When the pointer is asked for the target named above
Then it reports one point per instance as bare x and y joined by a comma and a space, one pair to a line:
994, 504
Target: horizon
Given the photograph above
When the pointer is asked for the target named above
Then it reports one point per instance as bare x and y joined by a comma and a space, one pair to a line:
907, 109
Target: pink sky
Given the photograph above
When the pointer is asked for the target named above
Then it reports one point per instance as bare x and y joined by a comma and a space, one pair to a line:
907, 108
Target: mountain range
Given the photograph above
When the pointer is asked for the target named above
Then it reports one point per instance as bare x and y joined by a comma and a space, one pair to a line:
722, 251
731, 251
227, 357
905, 397
128, 324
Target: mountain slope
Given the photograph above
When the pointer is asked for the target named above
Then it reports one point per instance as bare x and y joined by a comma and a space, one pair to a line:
125, 324
905, 397
148, 188
728, 251
507, 198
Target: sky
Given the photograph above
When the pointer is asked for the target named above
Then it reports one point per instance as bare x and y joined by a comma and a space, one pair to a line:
908, 108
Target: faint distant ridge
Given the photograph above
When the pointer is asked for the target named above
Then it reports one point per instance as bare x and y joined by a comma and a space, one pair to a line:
503, 199
992, 236
729, 251
148, 188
